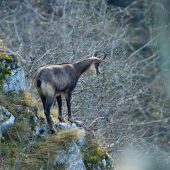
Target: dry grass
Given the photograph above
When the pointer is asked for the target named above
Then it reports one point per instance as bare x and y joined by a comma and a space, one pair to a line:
46, 151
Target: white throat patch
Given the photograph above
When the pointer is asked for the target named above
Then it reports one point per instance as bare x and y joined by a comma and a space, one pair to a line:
92, 68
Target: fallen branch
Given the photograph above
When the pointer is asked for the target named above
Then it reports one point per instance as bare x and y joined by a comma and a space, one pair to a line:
154, 121
95, 120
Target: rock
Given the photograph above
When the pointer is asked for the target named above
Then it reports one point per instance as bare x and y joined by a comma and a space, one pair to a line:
104, 162
37, 130
18, 65
63, 126
72, 158
26, 120
81, 137
34, 117
8, 51
9, 66
78, 123
44, 127
40, 130
42, 120
18, 109
13, 75
6, 119
14, 82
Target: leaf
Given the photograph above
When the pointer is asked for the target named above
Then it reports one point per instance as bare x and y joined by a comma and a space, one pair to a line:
6, 56
12, 152
110, 160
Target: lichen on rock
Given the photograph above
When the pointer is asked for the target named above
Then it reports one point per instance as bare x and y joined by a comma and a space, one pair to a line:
15, 82
11, 72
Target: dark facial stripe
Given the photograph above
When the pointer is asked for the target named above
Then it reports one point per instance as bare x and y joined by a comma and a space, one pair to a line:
97, 68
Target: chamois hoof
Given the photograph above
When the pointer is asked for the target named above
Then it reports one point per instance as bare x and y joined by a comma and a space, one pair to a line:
52, 131
71, 120
61, 119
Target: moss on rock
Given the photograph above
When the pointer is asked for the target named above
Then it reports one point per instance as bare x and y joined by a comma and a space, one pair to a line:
6, 61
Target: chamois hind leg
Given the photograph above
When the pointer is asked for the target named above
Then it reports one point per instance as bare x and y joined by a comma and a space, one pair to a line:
68, 100
59, 101
43, 99
49, 102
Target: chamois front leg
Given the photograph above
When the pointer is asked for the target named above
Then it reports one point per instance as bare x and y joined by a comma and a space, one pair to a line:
59, 101
68, 100
49, 102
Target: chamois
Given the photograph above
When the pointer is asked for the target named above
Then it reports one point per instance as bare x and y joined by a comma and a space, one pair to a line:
51, 81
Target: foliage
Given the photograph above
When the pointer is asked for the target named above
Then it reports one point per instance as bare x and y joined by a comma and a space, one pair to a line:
93, 155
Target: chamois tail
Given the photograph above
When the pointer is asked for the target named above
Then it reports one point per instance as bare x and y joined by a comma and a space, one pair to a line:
38, 83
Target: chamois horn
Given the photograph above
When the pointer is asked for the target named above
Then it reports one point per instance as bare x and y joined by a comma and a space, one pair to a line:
96, 53
104, 55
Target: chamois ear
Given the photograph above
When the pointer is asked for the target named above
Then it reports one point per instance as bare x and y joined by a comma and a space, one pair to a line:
96, 53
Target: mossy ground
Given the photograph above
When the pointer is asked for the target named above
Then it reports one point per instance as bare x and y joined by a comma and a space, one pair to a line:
18, 135
13, 101
41, 153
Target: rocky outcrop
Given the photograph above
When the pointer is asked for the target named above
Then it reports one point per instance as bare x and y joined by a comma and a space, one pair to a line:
15, 82
64, 149
71, 157
11, 72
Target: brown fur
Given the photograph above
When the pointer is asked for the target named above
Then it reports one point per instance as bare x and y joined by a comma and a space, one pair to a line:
53, 80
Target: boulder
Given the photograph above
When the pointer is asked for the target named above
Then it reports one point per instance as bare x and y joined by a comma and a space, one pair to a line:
72, 158
78, 123
11, 72
40, 130
15, 82
6, 119
63, 126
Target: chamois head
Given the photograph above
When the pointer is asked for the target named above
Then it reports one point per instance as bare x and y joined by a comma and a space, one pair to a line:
94, 67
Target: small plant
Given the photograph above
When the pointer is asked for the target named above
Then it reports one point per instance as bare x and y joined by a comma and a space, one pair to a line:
93, 155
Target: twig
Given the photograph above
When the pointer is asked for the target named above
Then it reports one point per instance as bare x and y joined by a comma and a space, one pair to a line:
154, 121
95, 120
15, 26
64, 22
36, 12
140, 49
